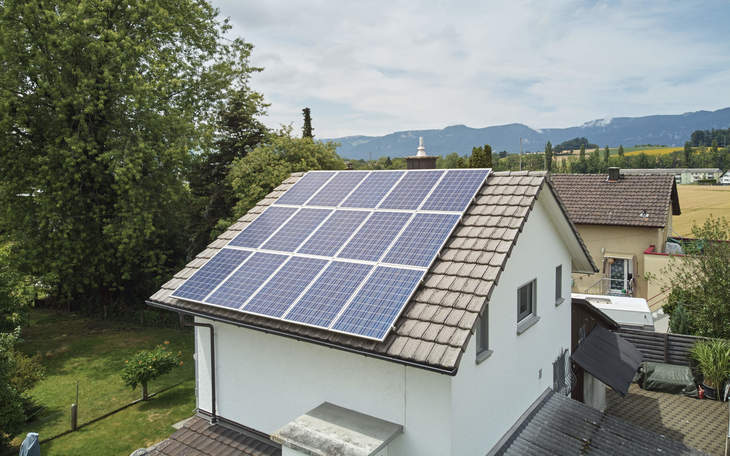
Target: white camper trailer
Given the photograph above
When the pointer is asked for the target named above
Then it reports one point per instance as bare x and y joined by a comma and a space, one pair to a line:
626, 311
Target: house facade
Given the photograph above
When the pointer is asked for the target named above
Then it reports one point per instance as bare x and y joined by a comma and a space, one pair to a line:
681, 175
621, 220
474, 347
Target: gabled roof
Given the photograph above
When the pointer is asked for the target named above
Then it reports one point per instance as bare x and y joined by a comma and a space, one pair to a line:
558, 425
592, 200
436, 324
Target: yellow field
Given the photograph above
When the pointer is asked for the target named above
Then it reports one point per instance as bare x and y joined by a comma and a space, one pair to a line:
697, 202
657, 151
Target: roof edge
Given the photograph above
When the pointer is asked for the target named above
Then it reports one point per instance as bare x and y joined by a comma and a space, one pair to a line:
369, 354
512, 431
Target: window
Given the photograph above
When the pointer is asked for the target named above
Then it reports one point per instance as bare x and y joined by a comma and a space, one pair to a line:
482, 336
526, 300
558, 284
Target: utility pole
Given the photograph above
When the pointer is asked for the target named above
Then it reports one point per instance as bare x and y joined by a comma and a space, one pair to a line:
520, 154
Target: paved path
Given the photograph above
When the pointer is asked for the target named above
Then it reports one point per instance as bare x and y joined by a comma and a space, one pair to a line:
700, 424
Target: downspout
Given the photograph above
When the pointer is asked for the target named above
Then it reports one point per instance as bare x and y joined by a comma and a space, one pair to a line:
213, 416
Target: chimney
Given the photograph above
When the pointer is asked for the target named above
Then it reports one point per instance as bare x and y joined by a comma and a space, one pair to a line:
614, 174
421, 160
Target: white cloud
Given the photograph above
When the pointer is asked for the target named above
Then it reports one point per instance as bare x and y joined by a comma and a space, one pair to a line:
376, 67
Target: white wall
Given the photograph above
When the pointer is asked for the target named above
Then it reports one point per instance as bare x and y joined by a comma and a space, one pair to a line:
490, 396
265, 381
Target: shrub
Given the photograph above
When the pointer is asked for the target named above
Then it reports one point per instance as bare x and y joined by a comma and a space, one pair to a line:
713, 358
148, 365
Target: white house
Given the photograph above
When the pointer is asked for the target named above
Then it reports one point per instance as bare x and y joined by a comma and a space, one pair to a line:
724, 179
473, 348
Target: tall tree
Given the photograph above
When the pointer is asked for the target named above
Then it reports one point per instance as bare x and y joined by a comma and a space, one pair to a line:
307, 127
606, 154
687, 155
103, 104
621, 150
548, 156
478, 157
487, 156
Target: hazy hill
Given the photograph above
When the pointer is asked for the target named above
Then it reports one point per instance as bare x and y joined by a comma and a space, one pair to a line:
670, 130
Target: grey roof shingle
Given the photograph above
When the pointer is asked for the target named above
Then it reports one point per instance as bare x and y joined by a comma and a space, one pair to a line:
558, 425
592, 199
436, 324
198, 438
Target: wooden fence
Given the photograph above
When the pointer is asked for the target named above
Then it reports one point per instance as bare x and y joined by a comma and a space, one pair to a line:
661, 347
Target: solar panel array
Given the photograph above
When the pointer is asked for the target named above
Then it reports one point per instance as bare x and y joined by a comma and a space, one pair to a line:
340, 250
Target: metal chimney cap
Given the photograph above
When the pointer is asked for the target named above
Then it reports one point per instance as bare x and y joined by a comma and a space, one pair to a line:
421, 148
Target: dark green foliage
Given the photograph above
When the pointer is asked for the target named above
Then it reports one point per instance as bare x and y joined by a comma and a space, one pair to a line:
713, 359
620, 150
454, 160
548, 156
148, 365
264, 168
488, 156
573, 144
101, 106
679, 323
606, 154
238, 130
481, 157
701, 281
307, 127
707, 137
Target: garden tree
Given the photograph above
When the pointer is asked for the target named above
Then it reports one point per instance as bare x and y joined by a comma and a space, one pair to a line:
620, 150
238, 129
594, 164
101, 106
548, 156
148, 365
687, 155
454, 160
700, 279
606, 154
487, 156
307, 127
478, 157
265, 167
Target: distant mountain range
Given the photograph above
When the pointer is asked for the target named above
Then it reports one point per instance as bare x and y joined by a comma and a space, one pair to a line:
669, 130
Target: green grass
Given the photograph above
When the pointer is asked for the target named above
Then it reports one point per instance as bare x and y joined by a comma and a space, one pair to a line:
92, 352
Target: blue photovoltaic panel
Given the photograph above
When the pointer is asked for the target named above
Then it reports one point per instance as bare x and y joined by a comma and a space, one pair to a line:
243, 283
375, 236
281, 291
304, 188
379, 302
205, 279
456, 190
373, 189
421, 241
333, 233
411, 190
296, 230
337, 189
329, 293
262, 227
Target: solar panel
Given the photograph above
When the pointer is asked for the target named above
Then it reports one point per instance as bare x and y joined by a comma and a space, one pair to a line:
456, 190
280, 292
350, 268
337, 189
262, 227
379, 302
422, 239
333, 233
411, 190
305, 188
373, 189
243, 283
328, 294
205, 279
296, 230
375, 236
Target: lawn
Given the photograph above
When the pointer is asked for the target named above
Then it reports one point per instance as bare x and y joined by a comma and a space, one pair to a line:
92, 352
697, 203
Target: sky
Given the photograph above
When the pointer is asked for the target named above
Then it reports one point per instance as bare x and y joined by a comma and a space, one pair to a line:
375, 67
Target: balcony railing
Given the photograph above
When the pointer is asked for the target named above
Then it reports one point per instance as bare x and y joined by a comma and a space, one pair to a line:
609, 286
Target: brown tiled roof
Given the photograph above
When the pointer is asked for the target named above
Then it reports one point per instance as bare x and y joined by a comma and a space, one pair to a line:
198, 438
592, 200
436, 324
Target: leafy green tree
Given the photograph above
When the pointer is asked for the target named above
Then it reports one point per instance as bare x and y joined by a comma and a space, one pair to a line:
264, 168
548, 156
620, 150
147, 365
479, 156
102, 106
453, 160
307, 127
488, 156
687, 155
606, 154
701, 280
238, 130
594, 162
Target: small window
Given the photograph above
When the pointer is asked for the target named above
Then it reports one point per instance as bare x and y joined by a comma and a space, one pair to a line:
559, 284
526, 300
482, 336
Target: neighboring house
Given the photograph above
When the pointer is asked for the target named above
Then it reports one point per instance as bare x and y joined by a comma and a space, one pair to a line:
681, 175
724, 179
620, 217
473, 348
